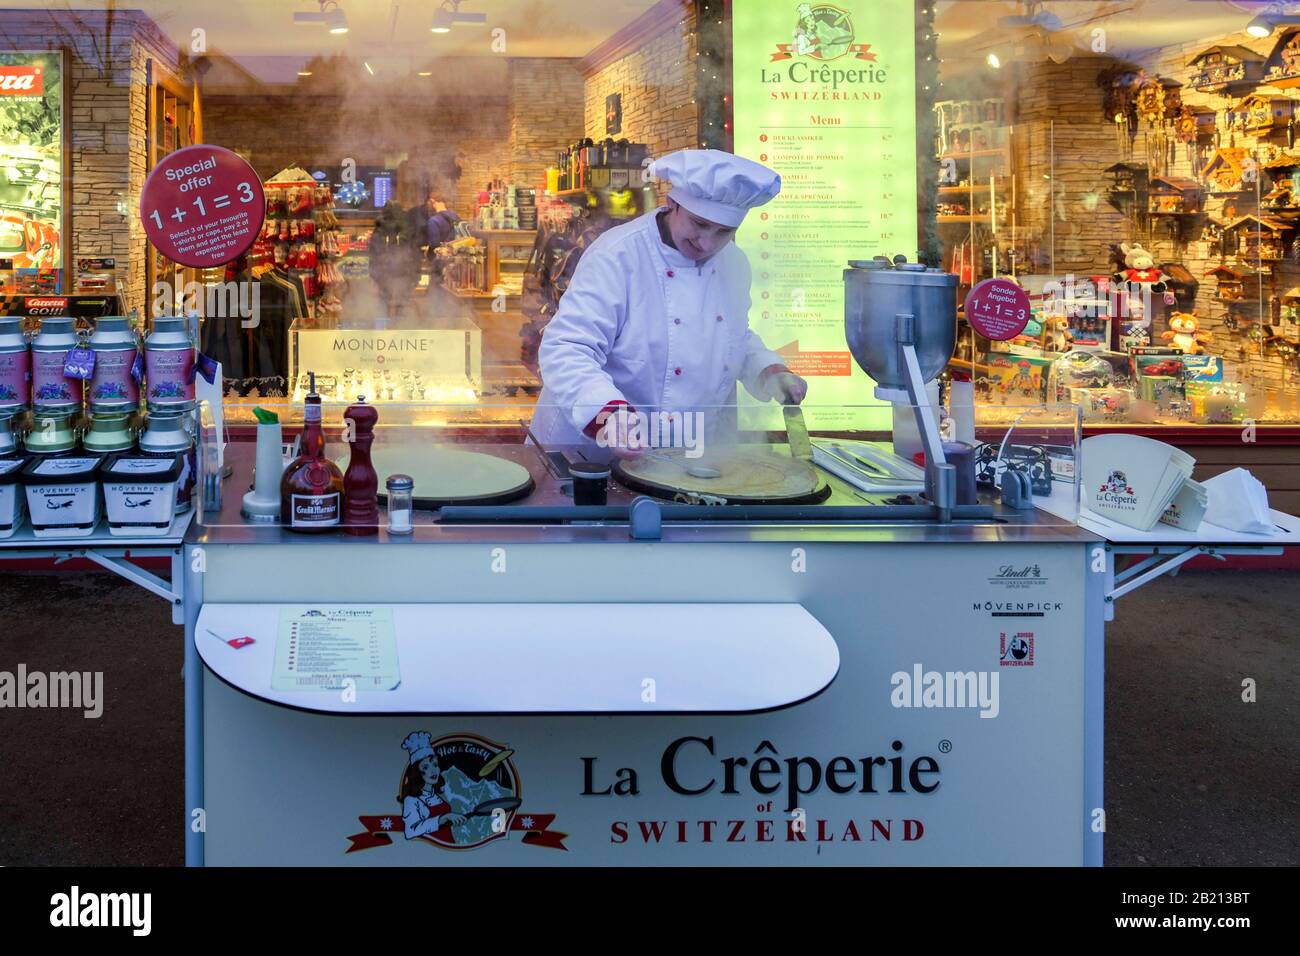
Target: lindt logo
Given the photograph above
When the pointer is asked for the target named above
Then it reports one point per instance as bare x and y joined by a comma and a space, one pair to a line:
22, 80
1010, 571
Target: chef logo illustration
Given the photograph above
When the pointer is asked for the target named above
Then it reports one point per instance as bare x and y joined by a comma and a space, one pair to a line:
822, 32
1117, 484
457, 792
1018, 650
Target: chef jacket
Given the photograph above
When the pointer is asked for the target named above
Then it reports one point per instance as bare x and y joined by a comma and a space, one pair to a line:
644, 324
425, 815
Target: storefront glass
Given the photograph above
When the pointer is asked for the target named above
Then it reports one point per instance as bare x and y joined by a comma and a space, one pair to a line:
433, 173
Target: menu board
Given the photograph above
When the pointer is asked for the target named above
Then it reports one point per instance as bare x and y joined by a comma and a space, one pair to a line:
31, 169
825, 94
325, 648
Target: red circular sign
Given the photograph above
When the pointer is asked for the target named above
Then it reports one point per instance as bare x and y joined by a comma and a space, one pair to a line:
997, 309
202, 206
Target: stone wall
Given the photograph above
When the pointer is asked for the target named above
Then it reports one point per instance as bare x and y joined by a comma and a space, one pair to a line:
657, 81
511, 132
107, 100
1064, 101
546, 115
432, 136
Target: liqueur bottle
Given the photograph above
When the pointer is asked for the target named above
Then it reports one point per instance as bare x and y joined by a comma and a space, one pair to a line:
361, 483
311, 490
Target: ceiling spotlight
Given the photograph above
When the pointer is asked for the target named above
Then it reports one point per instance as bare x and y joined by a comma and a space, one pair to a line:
304, 72
1265, 23
993, 61
425, 73
329, 14
448, 15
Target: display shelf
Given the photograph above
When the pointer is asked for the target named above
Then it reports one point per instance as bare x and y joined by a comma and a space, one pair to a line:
964, 219
24, 538
975, 154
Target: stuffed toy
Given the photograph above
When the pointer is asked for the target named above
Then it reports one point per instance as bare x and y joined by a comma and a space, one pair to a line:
1141, 270
1058, 330
1184, 333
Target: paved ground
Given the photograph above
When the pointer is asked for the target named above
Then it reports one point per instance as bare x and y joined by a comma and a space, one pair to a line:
1193, 774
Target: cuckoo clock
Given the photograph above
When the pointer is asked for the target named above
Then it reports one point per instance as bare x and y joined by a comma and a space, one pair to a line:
1128, 187
1261, 115
1221, 68
1173, 195
1227, 170
1282, 69
1234, 283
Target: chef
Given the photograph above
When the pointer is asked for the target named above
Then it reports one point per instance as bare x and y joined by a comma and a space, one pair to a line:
656, 317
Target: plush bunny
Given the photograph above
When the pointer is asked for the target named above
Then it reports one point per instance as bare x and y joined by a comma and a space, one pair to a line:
1184, 333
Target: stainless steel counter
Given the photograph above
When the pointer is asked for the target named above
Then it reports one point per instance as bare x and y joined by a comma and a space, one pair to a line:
227, 527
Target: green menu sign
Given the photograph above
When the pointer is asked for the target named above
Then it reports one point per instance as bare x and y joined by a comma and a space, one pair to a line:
825, 94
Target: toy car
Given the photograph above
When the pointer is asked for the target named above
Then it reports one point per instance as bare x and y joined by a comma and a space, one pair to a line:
1167, 367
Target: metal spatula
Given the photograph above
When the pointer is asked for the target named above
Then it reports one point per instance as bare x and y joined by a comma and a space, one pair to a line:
796, 431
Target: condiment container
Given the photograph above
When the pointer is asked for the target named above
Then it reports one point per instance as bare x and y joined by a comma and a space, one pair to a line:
401, 504
15, 367
109, 432
167, 435
52, 432
113, 387
590, 483
169, 366
52, 390
13, 505
63, 496
140, 493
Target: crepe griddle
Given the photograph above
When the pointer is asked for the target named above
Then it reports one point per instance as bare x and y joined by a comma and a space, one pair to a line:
449, 476
754, 476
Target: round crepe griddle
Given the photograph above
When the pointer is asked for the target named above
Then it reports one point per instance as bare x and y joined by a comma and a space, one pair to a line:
753, 476
448, 476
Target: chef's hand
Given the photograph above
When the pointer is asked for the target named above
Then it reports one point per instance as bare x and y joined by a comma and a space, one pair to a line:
787, 388
627, 451
453, 819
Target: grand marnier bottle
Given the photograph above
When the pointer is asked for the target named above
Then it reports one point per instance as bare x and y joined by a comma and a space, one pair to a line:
311, 489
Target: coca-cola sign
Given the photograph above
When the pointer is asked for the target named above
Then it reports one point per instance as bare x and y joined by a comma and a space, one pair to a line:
22, 80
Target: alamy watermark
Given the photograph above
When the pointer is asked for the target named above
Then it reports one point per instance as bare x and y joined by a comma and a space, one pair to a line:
636, 429
213, 300
78, 690
922, 688
1082, 298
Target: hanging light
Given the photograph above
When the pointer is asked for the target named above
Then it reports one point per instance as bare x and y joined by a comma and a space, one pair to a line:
330, 14
448, 15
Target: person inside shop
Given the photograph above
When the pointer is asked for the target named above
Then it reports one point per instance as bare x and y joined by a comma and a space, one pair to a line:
656, 317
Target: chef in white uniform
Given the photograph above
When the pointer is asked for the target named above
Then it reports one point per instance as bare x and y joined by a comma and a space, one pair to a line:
656, 317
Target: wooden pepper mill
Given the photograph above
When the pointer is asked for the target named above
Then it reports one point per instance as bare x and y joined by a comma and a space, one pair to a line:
360, 482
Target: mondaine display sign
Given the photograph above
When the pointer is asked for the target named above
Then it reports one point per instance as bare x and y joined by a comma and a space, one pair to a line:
825, 94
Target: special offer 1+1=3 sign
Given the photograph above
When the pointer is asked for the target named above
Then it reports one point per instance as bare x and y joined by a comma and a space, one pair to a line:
997, 309
202, 206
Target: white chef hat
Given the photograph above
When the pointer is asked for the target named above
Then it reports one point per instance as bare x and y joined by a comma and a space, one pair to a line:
717, 186
419, 743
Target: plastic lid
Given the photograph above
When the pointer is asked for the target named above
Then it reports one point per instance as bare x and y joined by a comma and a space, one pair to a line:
76, 468
588, 469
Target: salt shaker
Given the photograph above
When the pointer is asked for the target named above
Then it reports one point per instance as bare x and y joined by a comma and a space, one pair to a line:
401, 505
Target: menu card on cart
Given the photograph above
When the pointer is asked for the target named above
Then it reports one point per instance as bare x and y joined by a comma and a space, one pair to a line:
825, 94
325, 648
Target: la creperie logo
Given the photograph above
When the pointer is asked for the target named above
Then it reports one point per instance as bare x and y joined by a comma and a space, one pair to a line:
22, 81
